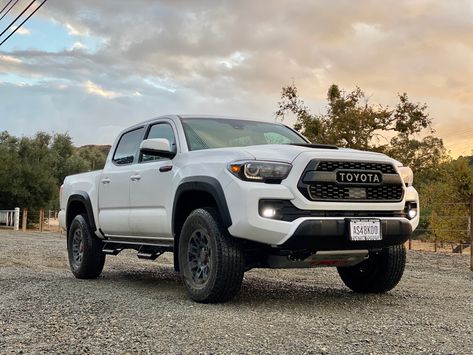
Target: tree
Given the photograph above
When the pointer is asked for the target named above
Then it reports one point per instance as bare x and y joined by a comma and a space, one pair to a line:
94, 155
308, 124
423, 156
27, 181
8, 162
352, 122
447, 200
64, 158
37, 166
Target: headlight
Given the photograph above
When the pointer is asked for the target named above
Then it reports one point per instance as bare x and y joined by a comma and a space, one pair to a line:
261, 171
407, 175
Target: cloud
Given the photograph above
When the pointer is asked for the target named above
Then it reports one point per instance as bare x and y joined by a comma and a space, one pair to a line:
233, 57
95, 89
78, 46
73, 31
21, 31
360, 43
9, 59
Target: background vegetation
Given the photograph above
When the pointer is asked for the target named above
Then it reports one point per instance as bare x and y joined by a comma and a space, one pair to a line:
33, 168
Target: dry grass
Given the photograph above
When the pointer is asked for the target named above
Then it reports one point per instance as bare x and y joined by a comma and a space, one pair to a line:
442, 247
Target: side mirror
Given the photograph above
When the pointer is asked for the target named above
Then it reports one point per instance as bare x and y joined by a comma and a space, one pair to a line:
157, 147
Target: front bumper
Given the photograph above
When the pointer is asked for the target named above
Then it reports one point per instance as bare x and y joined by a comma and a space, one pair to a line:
333, 234
323, 233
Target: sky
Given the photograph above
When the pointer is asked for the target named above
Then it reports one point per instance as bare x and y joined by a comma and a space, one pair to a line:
91, 68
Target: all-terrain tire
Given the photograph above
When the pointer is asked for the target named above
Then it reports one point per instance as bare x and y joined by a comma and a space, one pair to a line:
380, 273
211, 261
84, 249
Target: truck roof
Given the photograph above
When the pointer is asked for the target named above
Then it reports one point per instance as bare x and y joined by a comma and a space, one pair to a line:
191, 116
177, 117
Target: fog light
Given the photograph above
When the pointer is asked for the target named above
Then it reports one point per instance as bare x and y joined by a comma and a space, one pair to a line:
268, 212
411, 210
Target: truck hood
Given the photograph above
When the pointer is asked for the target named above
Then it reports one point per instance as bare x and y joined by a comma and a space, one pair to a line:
288, 153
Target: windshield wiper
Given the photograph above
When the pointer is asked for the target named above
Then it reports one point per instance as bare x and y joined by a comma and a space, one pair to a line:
317, 146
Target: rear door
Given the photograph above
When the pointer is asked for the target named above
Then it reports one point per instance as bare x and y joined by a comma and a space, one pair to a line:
150, 192
114, 186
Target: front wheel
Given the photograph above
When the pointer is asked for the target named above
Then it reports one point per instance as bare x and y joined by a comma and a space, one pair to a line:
211, 261
380, 273
84, 249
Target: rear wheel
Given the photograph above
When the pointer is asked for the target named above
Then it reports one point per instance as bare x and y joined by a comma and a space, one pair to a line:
84, 250
380, 273
210, 260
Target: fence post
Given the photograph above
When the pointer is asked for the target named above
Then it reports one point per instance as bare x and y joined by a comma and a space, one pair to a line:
24, 222
16, 219
471, 234
41, 218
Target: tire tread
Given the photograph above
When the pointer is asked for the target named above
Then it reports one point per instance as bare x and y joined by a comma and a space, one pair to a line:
94, 259
389, 264
230, 260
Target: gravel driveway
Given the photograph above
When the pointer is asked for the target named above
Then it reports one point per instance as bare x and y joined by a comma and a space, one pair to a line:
140, 306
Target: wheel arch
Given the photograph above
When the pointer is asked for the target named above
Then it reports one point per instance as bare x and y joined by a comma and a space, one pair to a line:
79, 203
195, 192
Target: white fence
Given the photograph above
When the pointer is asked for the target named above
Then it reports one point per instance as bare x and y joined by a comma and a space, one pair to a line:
10, 218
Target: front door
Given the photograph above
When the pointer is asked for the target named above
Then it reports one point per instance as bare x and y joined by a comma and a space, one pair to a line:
151, 191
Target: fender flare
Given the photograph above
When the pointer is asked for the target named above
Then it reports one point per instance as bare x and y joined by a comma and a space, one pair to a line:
204, 184
82, 197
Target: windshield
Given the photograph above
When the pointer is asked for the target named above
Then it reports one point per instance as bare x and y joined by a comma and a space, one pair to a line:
206, 133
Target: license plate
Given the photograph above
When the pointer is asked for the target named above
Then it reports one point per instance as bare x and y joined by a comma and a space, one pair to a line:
365, 230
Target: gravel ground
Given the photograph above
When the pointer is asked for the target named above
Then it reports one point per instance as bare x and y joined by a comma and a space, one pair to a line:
140, 306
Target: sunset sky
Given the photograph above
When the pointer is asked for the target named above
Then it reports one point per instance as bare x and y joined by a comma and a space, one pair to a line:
91, 68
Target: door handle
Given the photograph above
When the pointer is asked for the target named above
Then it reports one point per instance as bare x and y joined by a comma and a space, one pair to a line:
135, 177
106, 181
165, 168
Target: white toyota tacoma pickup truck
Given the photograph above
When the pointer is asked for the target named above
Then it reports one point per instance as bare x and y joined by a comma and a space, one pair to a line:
226, 195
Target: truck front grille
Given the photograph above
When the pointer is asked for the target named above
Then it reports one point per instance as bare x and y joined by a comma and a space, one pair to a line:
329, 165
319, 182
330, 191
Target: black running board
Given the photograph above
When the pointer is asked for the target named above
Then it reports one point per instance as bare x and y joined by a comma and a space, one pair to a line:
149, 253
149, 250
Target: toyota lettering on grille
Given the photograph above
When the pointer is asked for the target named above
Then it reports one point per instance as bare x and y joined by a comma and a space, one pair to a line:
359, 177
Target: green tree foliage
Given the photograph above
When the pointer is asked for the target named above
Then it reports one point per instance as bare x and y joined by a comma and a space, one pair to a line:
26, 179
94, 155
447, 200
33, 168
351, 121
424, 156
64, 158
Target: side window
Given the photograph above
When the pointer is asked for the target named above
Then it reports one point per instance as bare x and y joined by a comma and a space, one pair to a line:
128, 146
160, 130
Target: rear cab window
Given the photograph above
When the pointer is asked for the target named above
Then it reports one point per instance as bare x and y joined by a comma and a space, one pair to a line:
128, 146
